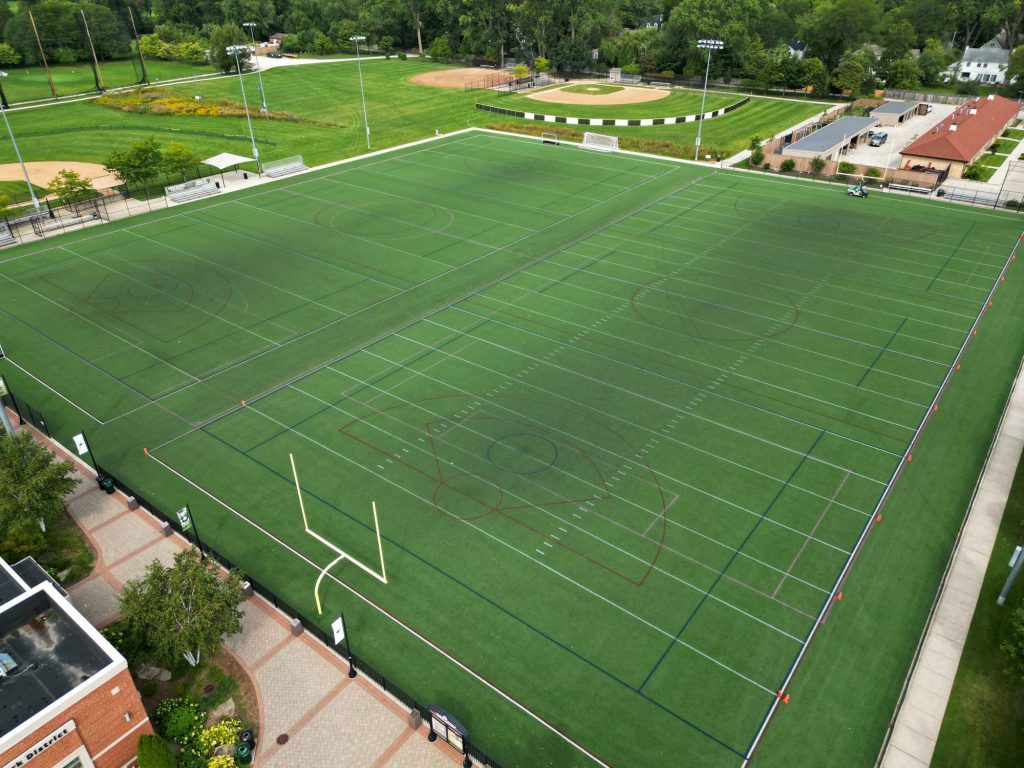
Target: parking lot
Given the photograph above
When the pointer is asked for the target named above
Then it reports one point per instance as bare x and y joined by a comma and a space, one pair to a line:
900, 136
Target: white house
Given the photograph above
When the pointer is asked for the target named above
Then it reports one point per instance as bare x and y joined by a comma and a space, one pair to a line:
986, 64
797, 48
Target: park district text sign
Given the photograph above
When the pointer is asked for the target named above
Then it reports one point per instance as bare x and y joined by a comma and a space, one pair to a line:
42, 745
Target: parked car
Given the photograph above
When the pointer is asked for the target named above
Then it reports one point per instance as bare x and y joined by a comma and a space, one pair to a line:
878, 139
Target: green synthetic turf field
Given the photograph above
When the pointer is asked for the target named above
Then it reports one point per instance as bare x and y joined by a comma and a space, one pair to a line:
625, 420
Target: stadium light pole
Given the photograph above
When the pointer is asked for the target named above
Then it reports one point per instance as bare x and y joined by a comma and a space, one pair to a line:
235, 50
358, 39
31, 190
251, 26
709, 46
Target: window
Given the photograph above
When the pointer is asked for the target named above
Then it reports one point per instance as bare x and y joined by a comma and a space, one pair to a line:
75, 763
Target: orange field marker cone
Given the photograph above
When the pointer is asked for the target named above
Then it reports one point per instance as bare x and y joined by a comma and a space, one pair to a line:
935, 408
785, 699
958, 366
839, 597
146, 451
243, 403
910, 457
878, 518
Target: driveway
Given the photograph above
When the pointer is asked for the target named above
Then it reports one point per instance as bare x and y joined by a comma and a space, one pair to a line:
887, 155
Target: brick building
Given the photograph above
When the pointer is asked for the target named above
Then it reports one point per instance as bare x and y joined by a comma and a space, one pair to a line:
67, 699
963, 137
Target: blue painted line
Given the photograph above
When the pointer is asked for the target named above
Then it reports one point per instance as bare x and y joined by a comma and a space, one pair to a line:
732, 559
883, 350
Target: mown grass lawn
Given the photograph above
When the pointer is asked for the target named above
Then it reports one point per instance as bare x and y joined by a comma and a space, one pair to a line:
325, 99
984, 722
30, 83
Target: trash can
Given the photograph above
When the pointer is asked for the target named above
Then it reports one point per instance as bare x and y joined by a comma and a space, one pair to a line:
248, 737
106, 483
243, 751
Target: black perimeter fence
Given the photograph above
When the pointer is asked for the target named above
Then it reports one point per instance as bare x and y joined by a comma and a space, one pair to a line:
28, 415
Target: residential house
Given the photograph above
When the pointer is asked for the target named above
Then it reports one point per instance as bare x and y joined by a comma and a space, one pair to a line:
797, 48
986, 64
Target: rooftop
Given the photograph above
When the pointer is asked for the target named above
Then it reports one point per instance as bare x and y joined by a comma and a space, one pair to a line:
47, 647
966, 132
833, 134
986, 55
894, 108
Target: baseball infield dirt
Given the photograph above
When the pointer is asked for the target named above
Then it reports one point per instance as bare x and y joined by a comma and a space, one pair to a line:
42, 173
458, 78
626, 96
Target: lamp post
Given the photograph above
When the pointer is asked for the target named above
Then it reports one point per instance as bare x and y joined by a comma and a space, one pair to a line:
709, 46
235, 50
251, 26
24, 170
358, 39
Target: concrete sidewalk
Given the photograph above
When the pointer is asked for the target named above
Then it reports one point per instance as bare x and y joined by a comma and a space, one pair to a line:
303, 688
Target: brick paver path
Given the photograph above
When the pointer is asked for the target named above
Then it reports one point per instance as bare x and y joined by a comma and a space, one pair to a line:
303, 688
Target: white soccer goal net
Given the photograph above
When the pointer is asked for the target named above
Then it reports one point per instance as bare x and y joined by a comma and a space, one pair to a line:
600, 142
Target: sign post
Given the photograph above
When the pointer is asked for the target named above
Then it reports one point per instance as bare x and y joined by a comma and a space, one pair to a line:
188, 522
340, 634
1016, 561
445, 726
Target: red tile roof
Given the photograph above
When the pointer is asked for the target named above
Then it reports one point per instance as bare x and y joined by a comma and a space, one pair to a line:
973, 132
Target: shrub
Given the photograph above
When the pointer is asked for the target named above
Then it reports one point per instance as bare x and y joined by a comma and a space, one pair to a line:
153, 752
631, 69
818, 164
221, 761
873, 173
149, 688
1016, 204
541, 65
64, 56
668, 73
845, 167
179, 720
223, 733
972, 173
968, 88
757, 156
788, 164
520, 70
402, 56
440, 48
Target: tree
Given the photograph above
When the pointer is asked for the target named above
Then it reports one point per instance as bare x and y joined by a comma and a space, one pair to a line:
1016, 67
899, 39
179, 159
9, 56
817, 164
1010, 14
520, 70
933, 61
849, 76
541, 65
222, 36
262, 12
815, 75
903, 73
732, 21
69, 187
184, 611
1013, 648
440, 48
153, 752
833, 27
32, 491
140, 164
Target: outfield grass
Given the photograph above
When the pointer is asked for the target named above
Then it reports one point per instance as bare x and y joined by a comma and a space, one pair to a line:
624, 419
676, 104
30, 83
17, 191
399, 111
984, 722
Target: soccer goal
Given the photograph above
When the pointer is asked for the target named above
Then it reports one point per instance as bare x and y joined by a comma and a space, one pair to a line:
600, 142
342, 555
549, 138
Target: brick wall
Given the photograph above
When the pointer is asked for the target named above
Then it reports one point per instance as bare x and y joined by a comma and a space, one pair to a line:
99, 717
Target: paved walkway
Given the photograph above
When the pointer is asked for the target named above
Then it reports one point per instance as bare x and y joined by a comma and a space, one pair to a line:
303, 689
920, 717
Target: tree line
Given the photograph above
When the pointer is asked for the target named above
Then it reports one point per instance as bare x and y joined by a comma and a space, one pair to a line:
916, 38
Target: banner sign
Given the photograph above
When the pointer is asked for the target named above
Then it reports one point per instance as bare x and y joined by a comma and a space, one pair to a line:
80, 444
185, 518
42, 745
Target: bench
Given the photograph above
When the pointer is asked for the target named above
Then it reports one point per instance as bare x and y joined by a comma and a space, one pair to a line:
278, 168
191, 190
909, 188
64, 223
